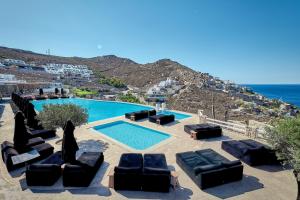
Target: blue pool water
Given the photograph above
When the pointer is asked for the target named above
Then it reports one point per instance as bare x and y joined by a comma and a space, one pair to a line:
134, 136
99, 110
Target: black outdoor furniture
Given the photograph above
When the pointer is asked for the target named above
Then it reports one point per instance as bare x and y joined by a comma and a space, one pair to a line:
45, 134
203, 131
140, 114
45, 173
82, 173
250, 152
128, 174
207, 168
69, 144
136, 173
156, 175
162, 119
40, 97
30, 115
8, 152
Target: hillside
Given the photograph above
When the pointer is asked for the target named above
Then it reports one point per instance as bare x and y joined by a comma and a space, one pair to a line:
196, 93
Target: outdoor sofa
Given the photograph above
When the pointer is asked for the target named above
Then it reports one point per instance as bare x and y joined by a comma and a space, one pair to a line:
207, 168
82, 173
251, 152
8, 151
45, 173
203, 131
43, 133
140, 114
136, 173
162, 119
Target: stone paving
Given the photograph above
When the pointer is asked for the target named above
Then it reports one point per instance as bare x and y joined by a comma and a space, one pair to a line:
259, 183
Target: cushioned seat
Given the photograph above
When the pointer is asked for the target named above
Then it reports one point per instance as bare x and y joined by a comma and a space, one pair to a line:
128, 174
207, 168
82, 173
140, 114
156, 175
42, 174
162, 119
43, 149
203, 131
42, 133
250, 151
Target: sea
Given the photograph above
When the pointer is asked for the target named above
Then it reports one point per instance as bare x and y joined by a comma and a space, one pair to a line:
289, 93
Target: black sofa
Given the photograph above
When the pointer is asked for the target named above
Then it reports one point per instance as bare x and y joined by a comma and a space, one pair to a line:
128, 174
148, 174
82, 173
44, 149
162, 119
207, 168
140, 114
251, 152
43, 133
156, 175
203, 131
46, 173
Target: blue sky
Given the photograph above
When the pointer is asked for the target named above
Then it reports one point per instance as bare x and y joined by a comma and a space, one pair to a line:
247, 41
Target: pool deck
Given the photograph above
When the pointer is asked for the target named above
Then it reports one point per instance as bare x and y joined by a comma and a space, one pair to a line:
265, 182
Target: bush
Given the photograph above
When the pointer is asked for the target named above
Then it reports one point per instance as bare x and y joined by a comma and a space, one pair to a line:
84, 92
284, 137
129, 98
56, 115
112, 82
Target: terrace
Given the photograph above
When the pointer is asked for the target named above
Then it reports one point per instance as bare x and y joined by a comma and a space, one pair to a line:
264, 182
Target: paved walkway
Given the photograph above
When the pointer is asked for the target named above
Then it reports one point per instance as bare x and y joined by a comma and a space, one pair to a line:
257, 184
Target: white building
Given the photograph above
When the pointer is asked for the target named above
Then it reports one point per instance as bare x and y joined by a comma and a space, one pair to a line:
13, 62
168, 87
9, 78
68, 69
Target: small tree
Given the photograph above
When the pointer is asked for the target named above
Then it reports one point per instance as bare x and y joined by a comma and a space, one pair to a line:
56, 115
284, 137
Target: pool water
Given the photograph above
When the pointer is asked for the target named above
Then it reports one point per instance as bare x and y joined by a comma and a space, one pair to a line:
134, 136
99, 110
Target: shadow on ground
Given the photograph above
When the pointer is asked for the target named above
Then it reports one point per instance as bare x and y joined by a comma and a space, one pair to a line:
95, 188
178, 193
247, 184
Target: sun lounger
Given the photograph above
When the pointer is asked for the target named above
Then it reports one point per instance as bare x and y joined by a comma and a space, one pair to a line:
140, 114
44, 150
207, 168
162, 119
45, 134
46, 173
203, 131
128, 174
250, 151
156, 175
30, 143
82, 173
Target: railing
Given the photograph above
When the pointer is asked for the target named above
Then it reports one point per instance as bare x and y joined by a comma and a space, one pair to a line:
252, 131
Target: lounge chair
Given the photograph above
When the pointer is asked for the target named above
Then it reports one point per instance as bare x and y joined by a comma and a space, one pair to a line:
43, 149
82, 173
128, 174
156, 175
207, 168
162, 119
46, 173
45, 134
140, 114
203, 131
250, 151
30, 143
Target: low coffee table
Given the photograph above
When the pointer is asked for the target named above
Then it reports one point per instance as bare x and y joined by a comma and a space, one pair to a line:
25, 157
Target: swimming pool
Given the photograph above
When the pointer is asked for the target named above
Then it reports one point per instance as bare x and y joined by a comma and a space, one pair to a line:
99, 110
134, 136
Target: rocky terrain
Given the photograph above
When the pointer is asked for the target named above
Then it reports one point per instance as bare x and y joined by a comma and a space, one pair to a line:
200, 90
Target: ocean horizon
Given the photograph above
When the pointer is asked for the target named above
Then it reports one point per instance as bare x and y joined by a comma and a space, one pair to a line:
289, 93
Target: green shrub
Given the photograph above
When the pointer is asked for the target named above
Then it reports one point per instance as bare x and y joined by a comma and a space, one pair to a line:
284, 137
84, 92
56, 115
129, 98
115, 82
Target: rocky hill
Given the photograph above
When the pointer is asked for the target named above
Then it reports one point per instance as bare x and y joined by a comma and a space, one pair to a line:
199, 91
